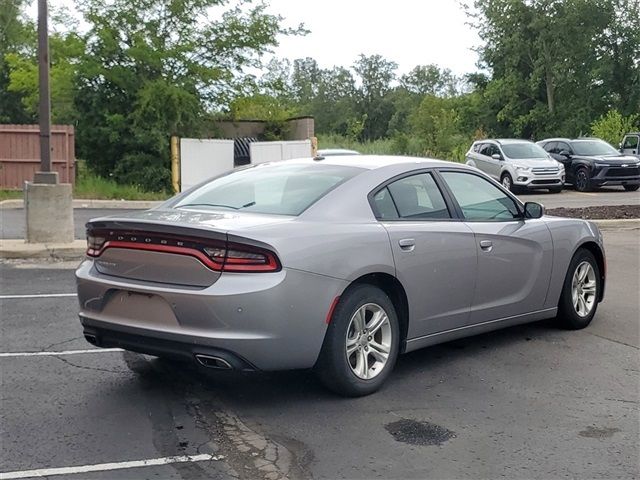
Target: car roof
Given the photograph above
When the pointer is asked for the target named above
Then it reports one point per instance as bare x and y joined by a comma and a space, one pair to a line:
372, 162
632, 133
579, 139
337, 151
504, 141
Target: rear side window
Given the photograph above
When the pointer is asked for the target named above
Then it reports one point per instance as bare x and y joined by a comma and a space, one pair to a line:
479, 199
416, 197
551, 147
281, 189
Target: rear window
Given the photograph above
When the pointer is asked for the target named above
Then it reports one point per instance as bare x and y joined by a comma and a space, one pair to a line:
280, 189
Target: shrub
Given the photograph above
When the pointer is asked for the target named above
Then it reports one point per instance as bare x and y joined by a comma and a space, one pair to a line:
612, 126
145, 171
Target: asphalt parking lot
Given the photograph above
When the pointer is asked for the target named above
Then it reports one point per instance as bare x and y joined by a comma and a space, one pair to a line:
527, 402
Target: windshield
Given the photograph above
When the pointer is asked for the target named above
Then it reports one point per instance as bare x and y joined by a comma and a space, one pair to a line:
593, 147
281, 189
524, 150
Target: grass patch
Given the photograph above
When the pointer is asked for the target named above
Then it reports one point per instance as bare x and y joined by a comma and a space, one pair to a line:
10, 194
374, 147
94, 187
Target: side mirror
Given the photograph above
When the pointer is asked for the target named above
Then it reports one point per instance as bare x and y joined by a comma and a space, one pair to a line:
496, 156
533, 210
565, 153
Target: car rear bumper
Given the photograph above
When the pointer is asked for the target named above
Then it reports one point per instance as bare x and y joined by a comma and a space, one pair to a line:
265, 321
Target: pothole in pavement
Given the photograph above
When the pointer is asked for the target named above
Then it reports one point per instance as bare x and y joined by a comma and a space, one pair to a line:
414, 432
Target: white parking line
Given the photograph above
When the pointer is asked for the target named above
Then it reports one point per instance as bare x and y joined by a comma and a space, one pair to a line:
103, 467
63, 352
39, 295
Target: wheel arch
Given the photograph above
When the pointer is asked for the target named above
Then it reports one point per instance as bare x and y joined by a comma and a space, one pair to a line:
397, 294
597, 252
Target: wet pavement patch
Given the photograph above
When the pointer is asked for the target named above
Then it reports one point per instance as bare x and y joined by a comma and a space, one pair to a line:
593, 432
418, 433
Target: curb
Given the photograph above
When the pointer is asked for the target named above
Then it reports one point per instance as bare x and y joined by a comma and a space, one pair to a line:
92, 203
11, 249
618, 224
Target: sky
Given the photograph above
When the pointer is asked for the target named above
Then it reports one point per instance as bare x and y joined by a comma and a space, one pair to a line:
409, 32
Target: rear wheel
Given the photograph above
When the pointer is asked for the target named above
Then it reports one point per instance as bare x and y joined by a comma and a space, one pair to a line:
582, 182
631, 188
507, 181
580, 292
361, 344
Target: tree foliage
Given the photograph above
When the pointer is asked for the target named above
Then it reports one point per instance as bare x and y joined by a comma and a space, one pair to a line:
143, 70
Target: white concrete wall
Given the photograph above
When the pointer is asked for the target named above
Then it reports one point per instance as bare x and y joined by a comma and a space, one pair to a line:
262, 152
202, 159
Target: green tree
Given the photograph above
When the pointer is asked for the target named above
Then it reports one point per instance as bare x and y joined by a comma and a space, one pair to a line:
553, 62
376, 75
158, 67
613, 126
17, 37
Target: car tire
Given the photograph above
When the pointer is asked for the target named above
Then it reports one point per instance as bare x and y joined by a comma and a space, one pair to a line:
507, 181
555, 190
343, 371
582, 182
575, 313
631, 188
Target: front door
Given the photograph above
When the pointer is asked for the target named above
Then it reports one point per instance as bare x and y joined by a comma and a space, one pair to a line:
514, 256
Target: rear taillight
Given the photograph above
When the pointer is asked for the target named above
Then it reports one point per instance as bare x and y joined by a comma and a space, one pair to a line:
218, 255
247, 258
94, 244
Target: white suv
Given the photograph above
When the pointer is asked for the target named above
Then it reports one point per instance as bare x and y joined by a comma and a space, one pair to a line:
517, 164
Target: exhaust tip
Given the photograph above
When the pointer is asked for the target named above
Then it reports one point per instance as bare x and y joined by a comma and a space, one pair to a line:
92, 339
213, 362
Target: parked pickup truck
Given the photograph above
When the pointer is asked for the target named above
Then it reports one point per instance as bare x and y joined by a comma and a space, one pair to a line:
630, 144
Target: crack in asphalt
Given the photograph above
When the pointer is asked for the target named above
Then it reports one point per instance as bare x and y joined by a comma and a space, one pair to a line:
614, 341
57, 344
248, 454
84, 367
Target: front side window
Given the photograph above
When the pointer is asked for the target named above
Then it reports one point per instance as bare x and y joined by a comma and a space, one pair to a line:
414, 198
479, 199
281, 189
630, 142
488, 149
564, 147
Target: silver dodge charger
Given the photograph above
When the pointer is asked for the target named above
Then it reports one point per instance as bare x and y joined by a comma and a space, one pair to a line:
337, 263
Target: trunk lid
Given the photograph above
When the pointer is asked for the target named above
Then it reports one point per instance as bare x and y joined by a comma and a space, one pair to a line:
168, 246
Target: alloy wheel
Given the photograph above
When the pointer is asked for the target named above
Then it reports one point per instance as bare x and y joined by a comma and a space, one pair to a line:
369, 340
582, 180
583, 289
506, 182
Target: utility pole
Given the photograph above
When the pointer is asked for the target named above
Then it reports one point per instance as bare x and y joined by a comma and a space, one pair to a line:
48, 204
45, 175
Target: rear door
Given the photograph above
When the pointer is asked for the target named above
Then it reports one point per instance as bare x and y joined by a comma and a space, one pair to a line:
514, 256
435, 254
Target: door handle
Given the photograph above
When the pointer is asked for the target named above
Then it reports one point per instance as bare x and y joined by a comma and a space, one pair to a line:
486, 245
407, 244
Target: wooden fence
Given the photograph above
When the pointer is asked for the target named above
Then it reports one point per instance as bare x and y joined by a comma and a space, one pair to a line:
20, 154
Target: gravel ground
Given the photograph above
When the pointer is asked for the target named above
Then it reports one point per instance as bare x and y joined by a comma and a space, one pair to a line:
598, 213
